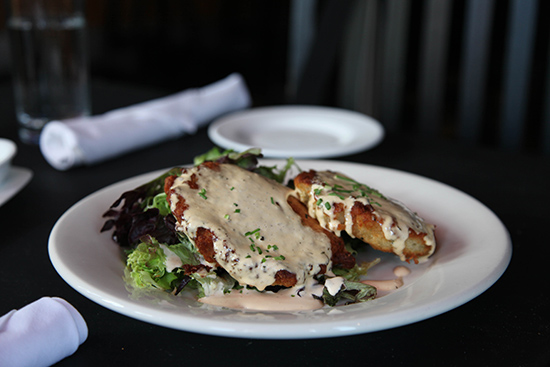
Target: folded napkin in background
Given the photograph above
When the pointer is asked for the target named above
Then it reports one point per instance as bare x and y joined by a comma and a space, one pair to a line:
89, 140
41, 333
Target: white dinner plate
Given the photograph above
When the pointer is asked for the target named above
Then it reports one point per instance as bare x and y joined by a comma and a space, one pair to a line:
473, 251
14, 182
297, 131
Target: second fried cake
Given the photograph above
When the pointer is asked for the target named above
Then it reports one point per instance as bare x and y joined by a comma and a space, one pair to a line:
340, 203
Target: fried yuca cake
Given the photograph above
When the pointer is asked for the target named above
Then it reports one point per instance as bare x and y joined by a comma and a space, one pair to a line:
340, 203
243, 222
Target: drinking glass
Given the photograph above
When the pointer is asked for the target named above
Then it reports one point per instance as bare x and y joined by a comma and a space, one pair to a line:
50, 62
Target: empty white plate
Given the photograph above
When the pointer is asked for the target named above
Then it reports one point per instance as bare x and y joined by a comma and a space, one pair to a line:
297, 131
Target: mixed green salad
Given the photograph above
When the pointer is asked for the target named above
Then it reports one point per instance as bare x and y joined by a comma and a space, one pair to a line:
159, 257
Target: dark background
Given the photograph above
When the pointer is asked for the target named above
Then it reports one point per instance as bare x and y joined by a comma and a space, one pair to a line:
176, 44
143, 49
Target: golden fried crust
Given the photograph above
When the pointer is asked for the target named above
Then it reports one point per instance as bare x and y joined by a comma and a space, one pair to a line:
205, 244
304, 180
205, 238
366, 225
340, 256
182, 206
190, 269
285, 278
368, 228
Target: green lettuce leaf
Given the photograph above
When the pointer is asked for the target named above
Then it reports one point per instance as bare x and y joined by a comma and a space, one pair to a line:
147, 267
275, 173
147, 263
213, 284
351, 292
158, 202
247, 160
359, 270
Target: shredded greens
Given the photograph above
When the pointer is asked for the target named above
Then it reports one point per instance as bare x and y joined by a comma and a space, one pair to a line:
147, 264
247, 160
353, 290
144, 227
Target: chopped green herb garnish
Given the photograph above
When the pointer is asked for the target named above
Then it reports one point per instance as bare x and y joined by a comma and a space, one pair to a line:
272, 201
327, 205
343, 191
272, 247
346, 179
202, 194
364, 189
237, 210
319, 202
255, 248
281, 257
252, 232
338, 195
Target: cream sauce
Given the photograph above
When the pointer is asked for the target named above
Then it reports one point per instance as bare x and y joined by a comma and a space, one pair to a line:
391, 284
256, 232
172, 260
298, 298
330, 188
333, 285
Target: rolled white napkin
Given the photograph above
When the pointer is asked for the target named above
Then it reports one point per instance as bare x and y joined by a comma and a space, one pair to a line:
88, 140
41, 333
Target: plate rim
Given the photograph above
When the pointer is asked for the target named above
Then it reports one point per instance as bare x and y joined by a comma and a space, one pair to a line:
217, 136
256, 330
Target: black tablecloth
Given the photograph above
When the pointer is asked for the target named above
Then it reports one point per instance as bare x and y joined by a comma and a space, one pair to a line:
508, 325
